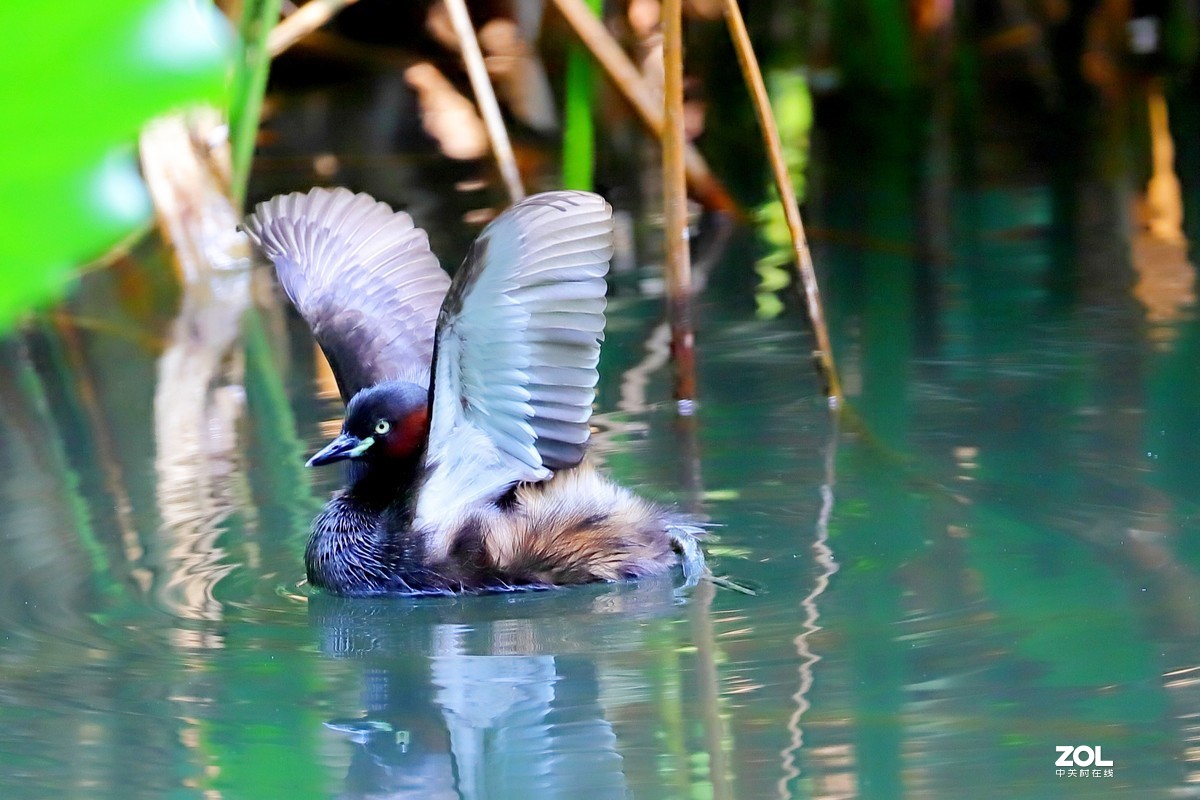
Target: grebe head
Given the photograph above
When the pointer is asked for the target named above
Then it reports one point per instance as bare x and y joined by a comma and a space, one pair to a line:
386, 422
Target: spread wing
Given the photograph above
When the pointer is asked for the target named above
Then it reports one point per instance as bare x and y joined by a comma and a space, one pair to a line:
363, 278
518, 341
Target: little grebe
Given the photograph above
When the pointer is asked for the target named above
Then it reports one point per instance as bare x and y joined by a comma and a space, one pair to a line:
468, 401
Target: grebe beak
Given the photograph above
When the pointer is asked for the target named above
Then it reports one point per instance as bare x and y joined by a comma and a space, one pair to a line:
341, 448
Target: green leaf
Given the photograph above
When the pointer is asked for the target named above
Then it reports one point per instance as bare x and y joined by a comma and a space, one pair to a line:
79, 84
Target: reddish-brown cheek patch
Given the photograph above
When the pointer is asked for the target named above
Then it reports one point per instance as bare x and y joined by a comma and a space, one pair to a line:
409, 433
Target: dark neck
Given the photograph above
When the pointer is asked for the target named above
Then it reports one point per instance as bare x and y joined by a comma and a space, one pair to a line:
382, 483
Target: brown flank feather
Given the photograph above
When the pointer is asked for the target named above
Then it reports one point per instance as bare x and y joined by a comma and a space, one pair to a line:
578, 527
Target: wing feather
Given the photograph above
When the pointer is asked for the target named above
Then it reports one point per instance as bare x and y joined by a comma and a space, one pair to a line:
363, 278
518, 343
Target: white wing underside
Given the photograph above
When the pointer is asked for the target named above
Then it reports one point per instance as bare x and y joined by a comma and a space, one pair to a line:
518, 342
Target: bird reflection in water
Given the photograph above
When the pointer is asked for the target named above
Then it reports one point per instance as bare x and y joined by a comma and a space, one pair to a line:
501, 705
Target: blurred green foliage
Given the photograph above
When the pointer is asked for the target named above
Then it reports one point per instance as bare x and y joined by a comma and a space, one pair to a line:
579, 94
791, 102
80, 81
248, 87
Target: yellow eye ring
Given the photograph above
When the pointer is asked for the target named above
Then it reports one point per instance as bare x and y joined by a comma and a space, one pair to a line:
382, 427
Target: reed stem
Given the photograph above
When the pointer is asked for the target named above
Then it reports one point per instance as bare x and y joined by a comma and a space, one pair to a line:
301, 22
625, 76
678, 262
787, 196
485, 96
250, 84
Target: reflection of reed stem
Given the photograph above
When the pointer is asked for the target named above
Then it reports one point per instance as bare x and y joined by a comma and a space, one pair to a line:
485, 97
675, 217
635, 379
715, 734
105, 448
692, 477
282, 474
625, 76
787, 196
668, 687
51, 463
198, 398
808, 659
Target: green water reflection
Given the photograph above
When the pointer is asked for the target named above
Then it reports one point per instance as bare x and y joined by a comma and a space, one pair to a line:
994, 553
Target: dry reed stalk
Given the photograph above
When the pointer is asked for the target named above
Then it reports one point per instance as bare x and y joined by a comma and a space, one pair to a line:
302, 22
485, 96
625, 76
678, 263
787, 196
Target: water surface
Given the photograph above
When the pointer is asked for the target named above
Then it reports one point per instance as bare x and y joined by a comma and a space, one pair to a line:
992, 553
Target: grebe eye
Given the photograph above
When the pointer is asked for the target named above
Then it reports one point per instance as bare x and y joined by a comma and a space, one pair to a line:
382, 427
